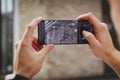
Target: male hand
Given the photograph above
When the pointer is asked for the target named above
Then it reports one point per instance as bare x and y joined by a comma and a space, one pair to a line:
100, 42
29, 54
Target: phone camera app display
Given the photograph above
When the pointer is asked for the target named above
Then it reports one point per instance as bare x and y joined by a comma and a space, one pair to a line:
61, 31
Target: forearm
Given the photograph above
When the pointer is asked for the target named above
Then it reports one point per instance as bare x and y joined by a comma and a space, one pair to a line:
113, 60
115, 15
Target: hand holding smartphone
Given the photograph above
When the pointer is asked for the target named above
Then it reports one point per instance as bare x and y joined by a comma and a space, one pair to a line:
63, 31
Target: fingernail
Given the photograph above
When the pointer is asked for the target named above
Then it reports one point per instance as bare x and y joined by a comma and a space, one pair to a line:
39, 17
84, 32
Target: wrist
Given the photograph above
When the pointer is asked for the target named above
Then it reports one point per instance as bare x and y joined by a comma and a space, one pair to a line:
108, 56
25, 74
113, 60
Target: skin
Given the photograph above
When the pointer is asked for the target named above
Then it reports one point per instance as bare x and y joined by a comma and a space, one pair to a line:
29, 54
101, 43
115, 15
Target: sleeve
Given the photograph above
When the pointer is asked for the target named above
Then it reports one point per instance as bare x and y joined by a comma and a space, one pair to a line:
15, 77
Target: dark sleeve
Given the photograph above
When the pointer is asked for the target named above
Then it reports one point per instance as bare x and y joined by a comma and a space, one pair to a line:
19, 77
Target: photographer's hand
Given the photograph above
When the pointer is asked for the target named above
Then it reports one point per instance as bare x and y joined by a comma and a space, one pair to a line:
101, 43
29, 54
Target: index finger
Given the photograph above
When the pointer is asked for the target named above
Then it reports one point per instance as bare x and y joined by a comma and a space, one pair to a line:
30, 29
92, 19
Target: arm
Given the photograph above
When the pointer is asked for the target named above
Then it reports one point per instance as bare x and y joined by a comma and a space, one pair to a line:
29, 54
101, 43
115, 15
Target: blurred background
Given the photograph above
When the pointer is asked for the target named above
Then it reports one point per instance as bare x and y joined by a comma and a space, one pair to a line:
65, 62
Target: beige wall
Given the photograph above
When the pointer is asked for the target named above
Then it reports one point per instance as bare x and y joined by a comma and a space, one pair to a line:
70, 60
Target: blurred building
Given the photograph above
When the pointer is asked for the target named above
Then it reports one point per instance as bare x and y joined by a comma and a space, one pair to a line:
64, 61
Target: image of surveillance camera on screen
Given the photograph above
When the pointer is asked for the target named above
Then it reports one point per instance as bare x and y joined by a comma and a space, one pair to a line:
61, 31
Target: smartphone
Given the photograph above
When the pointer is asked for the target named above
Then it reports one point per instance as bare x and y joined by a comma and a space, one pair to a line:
63, 31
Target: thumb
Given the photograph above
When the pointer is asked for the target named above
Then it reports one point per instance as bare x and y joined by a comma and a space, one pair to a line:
43, 53
93, 42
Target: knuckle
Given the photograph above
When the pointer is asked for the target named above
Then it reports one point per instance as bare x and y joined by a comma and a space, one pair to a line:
36, 20
23, 43
104, 25
16, 44
29, 26
90, 14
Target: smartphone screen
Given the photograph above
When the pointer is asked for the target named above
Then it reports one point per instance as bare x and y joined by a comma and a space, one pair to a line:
62, 31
